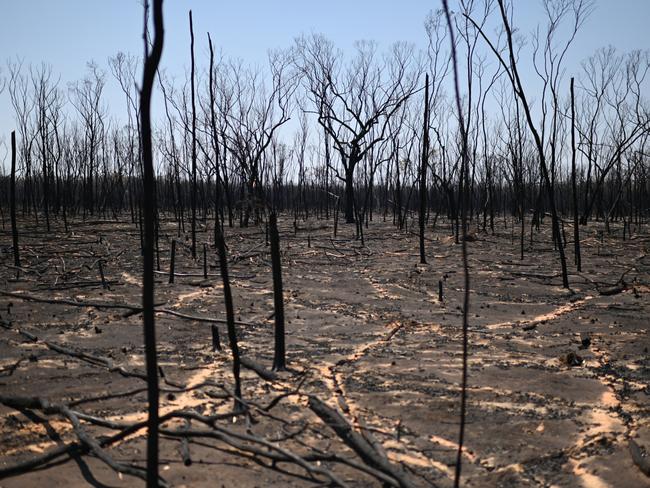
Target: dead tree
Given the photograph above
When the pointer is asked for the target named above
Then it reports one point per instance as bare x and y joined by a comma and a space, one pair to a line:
424, 161
464, 205
438, 65
124, 68
220, 184
46, 102
614, 86
230, 320
86, 97
253, 117
12, 199
349, 101
489, 197
279, 358
172, 152
193, 139
574, 185
515, 144
23, 106
152, 59
219, 105
553, 63
474, 68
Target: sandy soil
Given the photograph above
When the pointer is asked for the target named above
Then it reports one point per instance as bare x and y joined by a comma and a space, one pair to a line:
365, 332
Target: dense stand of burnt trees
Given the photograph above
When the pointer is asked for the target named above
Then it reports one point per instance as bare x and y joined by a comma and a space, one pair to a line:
225, 153
361, 144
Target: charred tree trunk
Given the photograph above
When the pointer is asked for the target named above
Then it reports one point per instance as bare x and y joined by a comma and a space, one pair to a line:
230, 319
423, 169
279, 358
193, 140
327, 175
215, 145
574, 185
149, 206
349, 193
462, 197
12, 198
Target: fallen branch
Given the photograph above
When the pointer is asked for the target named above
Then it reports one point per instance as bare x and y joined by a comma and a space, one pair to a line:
132, 309
88, 358
58, 301
261, 371
89, 443
9, 370
272, 451
612, 290
641, 460
357, 442
197, 318
201, 275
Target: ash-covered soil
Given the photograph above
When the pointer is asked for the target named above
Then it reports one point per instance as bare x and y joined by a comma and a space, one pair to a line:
559, 380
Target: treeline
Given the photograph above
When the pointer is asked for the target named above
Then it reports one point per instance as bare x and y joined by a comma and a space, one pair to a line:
317, 133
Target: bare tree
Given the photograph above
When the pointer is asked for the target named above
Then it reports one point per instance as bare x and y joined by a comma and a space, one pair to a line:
463, 199
12, 199
253, 115
193, 223
423, 169
124, 68
615, 115
47, 103
23, 105
350, 100
574, 184
219, 168
556, 11
86, 97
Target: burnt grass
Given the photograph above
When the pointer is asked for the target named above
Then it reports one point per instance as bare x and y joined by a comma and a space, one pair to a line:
365, 333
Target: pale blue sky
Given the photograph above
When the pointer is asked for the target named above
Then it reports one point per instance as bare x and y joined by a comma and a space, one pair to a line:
68, 33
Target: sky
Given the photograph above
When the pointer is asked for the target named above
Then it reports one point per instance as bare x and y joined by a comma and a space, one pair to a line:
69, 33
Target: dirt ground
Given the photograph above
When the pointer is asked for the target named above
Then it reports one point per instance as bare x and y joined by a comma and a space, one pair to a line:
558, 381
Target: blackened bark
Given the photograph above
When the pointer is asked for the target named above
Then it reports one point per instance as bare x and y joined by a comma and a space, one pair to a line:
462, 197
279, 358
172, 262
193, 141
349, 193
574, 186
230, 318
149, 207
423, 169
12, 197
